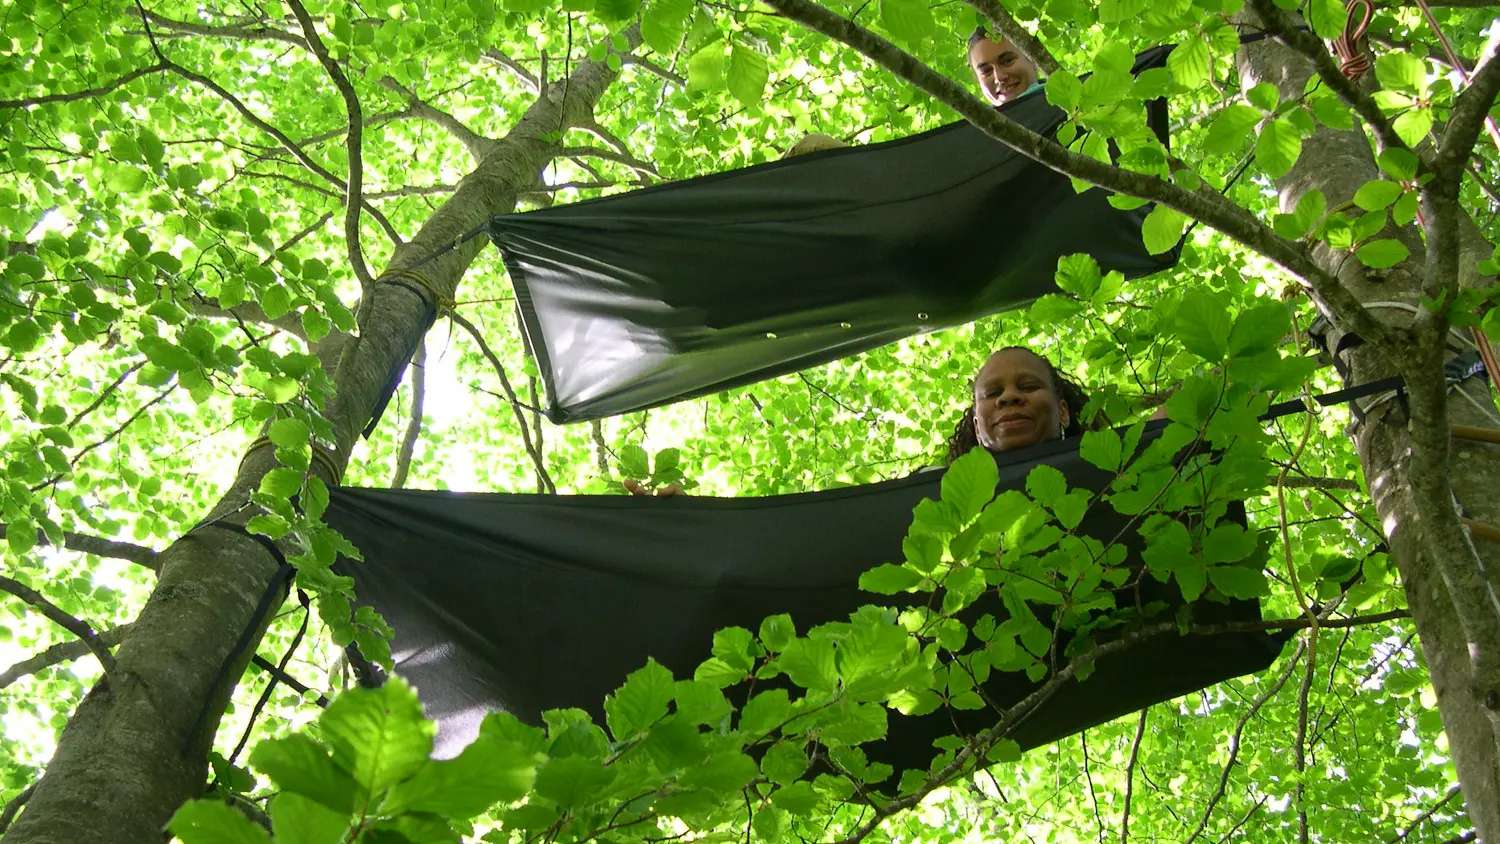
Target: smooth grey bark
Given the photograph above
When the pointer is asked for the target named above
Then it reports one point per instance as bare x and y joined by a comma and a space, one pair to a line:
130, 755
1338, 163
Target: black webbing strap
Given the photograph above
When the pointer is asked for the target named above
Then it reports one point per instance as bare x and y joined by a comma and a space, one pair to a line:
1358, 391
415, 283
265, 695
280, 582
285, 677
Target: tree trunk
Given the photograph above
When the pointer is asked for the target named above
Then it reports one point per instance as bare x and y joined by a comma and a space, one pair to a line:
131, 754
1338, 163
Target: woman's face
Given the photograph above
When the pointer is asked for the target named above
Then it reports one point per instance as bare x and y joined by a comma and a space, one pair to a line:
1015, 402
1002, 71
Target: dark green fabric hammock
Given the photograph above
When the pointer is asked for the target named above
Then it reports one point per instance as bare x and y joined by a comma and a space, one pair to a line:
525, 603
693, 287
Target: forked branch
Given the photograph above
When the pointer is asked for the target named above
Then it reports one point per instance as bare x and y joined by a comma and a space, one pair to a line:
67, 622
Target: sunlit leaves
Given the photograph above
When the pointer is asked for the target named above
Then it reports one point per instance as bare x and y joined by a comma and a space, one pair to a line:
214, 822
1277, 148
664, 23
1380, 254
969, 483
706, 68
1189, 62
640, 702
1064, 90
1203, 326
909, 21
1231, 127
1162, 229
1304, 218
747, 74
1401, 72
1327, 18
1376, 195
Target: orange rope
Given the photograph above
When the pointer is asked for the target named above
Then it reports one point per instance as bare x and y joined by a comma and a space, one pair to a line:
1353, 62
1491, 361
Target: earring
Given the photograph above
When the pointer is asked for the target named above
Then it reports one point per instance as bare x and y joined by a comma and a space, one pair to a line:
1062, 431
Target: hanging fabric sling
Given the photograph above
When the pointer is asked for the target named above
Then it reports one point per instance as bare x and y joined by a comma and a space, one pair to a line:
525, 603
694, 287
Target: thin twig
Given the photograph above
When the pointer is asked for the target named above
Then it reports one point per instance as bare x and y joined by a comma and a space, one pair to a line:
601, 449
414, 423
99, 547
87, 93
1088, 776
1238, 733
1301, 758
78, 628
291, 146
526, 77
1245, 818
105, 393
58, 653
1422, 818
645, 168
1135, 752
646, 64
353, 141
1348, 484
510, 394
477, 145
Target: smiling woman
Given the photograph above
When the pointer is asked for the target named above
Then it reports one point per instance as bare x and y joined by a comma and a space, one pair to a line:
1003, 71
1020, 399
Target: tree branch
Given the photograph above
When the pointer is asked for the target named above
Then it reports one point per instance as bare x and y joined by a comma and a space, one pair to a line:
1206, 205
510, 394
526, 77
1300, 761
1467, 119
645, 168
1275, 22
353, 141
652, 67
1238, 733
981, 744
291, 146
477, 145
414, 422
1422, 818
588, 186
1135, 752
14, 806
233, 32
1321, 483
209, 307
601, 449
67, 622
1004, 23
87, 93
99, 547
61, 652
412, 190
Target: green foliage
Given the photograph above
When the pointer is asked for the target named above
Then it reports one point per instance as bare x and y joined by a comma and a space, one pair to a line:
134, 218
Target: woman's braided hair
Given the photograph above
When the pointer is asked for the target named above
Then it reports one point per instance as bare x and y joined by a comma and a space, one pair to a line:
964, 440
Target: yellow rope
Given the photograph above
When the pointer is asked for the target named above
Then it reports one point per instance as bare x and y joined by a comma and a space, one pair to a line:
318, 456
441, 303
